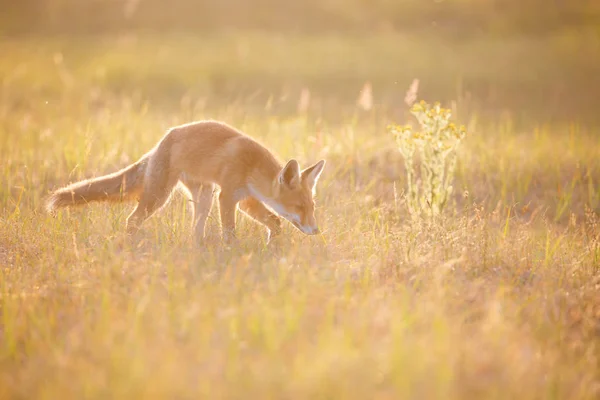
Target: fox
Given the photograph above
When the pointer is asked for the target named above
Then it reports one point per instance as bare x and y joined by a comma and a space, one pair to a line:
203, 158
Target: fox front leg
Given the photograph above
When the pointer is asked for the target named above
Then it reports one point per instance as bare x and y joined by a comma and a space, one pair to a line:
227, 205
257, 211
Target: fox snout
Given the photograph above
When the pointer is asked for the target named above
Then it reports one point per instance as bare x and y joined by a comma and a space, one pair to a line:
308, 230
314, 231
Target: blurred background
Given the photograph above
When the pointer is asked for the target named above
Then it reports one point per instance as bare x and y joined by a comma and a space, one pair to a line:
534, 59
458, 18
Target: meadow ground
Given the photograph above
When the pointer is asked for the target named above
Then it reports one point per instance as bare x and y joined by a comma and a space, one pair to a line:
498, 299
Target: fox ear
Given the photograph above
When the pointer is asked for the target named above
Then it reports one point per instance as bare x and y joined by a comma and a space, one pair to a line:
290, 174
311, 174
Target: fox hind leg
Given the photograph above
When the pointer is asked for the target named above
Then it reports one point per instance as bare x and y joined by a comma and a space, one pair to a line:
158, 187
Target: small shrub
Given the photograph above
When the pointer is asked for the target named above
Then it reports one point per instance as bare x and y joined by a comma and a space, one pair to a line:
435, 146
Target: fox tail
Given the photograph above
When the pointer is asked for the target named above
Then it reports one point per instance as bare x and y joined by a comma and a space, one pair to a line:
120, 186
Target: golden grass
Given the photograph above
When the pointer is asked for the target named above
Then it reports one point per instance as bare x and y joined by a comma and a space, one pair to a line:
499, 299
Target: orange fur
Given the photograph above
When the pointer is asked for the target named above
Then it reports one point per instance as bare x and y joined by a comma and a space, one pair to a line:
199, 156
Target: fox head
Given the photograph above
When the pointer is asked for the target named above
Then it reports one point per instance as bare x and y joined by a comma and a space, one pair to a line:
294, 195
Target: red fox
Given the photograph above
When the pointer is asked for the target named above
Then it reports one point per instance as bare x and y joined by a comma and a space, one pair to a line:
198, 156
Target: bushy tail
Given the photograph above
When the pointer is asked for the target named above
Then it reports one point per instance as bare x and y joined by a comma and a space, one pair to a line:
122, 185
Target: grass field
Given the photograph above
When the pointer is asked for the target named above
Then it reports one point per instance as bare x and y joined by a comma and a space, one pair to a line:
498, 299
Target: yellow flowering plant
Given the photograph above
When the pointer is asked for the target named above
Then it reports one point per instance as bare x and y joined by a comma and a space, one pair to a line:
435, 147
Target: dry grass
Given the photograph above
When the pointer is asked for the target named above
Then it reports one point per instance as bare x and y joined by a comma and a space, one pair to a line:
500, 299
